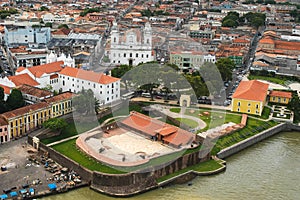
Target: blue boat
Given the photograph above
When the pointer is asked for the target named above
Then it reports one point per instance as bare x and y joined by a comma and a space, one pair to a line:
3, 196
13, 194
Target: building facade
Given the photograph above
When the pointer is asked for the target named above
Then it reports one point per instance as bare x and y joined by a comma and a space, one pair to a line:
106, 88
280, 97
24, 35
250, 97
131, 48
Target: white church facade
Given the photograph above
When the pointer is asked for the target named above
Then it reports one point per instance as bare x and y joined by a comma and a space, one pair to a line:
131, 47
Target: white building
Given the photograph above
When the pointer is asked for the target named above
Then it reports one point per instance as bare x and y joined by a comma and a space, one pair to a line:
24, 35
50, 18
132, 47
106, 88
53, 57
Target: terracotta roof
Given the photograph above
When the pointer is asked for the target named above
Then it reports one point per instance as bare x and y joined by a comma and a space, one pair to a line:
24, 110
6, 89
151, 127
27, 89
251, 90
88, 75
23, 79
53, 76
3, 121
39, 70
283, 94
59, 97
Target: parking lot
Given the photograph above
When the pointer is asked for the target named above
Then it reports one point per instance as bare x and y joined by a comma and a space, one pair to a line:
21, 168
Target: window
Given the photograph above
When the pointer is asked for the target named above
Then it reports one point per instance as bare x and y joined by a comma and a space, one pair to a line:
107, 99
136, 55
284, 99
249, 104
124, 55
142, 55
94, 85
147, 56
130, 55
147, 41
239, 104
273, 98
256, 106
238, 109
115, 39
248, 111
63, 83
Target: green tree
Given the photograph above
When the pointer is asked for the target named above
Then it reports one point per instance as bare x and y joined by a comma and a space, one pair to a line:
231, 20
48, 24
15, 100
44, 8
294, 105
2, 102
55, 124
118, 72
225, 67
85, 102
145, 77
229, 23
63, 26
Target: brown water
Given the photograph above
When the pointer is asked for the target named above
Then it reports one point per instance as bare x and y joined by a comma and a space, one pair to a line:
268, 170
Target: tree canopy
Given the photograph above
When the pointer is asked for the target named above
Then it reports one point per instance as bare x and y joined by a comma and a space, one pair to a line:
55, 124
15, 100
85, 103
63, 26
225, 67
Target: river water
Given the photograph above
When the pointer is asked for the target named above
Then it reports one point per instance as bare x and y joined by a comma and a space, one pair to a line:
267, 170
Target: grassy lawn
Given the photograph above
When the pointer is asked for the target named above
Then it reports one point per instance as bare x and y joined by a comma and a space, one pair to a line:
74, 129
207, 166
175, 110
189, 122
70, 150
270, 79
253, 127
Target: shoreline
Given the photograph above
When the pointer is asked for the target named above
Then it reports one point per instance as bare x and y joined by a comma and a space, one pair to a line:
191, 174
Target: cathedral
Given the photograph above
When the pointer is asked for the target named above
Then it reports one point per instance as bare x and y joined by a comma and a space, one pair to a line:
131, 47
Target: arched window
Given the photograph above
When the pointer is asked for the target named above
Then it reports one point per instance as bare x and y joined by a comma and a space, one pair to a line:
115, 39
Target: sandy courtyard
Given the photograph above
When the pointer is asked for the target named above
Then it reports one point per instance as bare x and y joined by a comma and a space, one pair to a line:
132, 143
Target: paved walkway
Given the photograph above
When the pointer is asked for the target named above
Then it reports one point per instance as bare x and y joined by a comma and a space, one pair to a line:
166, 110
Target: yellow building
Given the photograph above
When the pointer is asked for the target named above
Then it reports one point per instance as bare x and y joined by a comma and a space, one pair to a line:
25, 119
250, 97
60, 104
280, 97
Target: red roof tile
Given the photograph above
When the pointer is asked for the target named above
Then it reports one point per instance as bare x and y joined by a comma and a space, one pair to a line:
6, 89
59, 97
88, 75
39, 70
251, 90
24, 110
23, 79
280, 94
152, 127
27, 89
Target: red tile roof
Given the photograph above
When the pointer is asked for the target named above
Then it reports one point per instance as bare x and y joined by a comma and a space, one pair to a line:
88, 75
6, 89
27, 89
251, 90
59, 97
3, 121
152, 127
280, 94
39, 70
24, 110
23, 79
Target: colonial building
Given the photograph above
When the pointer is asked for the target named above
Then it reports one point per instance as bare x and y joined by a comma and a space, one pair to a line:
250, 97
33, 95
4, 137
60, 104
25, 119
132, 47
280, 97
106, 88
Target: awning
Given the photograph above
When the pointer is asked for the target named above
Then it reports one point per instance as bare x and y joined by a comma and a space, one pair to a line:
52, 186
3, 196
23, 191
13, 194
31, 190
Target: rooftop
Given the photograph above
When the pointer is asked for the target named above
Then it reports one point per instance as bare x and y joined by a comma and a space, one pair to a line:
22, 79
283, 94
251, 90
59, 97
28, 89
24, 110
88, 75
